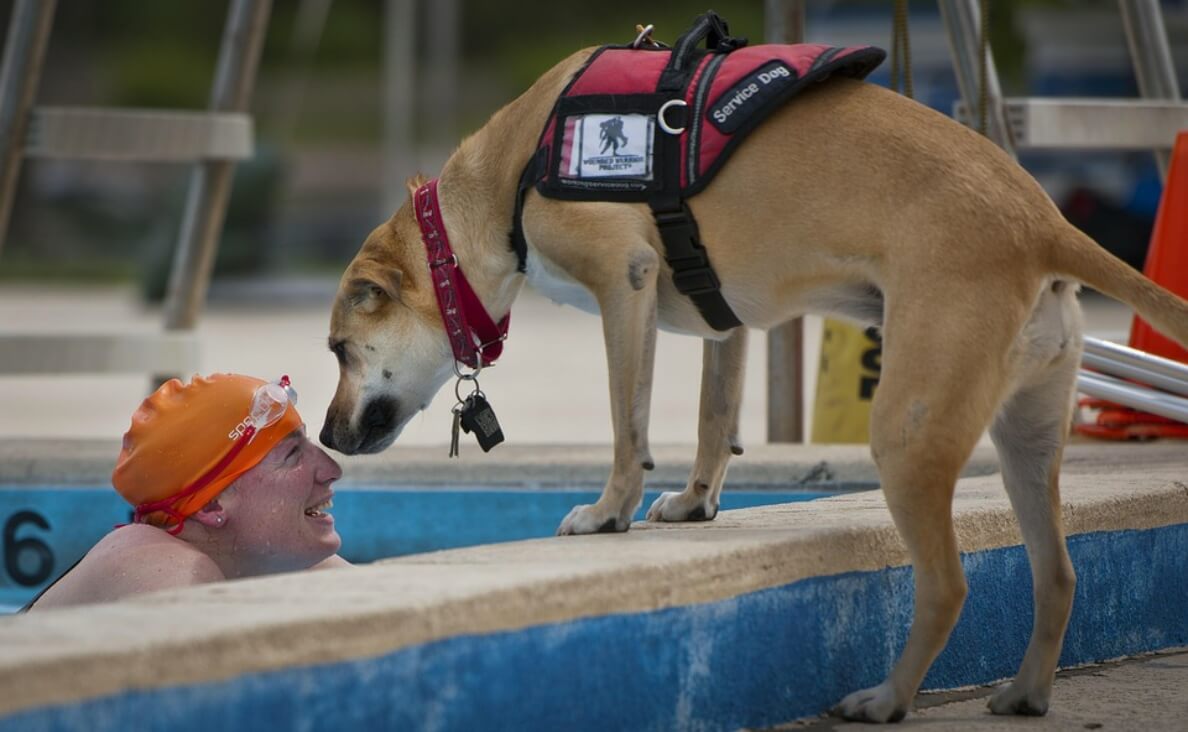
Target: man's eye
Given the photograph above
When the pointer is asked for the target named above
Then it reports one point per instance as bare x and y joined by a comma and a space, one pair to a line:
295, 450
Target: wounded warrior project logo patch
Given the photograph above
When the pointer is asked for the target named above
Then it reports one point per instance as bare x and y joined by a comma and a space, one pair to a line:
608, 145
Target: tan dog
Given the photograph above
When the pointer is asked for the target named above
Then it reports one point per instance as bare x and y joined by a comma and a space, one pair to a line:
851, 199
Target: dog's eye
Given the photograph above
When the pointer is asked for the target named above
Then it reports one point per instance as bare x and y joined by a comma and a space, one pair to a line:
339, 351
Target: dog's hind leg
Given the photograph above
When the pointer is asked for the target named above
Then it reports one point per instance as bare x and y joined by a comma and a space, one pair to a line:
722, 372
628, 305
1029, 433
927, 416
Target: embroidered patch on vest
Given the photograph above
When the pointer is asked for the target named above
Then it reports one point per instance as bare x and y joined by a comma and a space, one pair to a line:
608, 146
736, 105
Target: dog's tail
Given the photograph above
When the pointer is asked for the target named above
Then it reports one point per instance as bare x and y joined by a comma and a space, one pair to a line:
1076, 255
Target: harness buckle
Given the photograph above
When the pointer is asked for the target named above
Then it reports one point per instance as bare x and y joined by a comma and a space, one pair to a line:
675, 224
691, 270
696, 281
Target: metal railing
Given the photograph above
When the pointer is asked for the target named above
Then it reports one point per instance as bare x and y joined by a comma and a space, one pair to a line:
1166, 393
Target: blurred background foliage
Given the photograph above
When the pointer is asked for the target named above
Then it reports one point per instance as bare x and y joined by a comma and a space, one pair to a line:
314, 190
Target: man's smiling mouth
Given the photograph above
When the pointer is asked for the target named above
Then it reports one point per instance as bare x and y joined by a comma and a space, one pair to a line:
318, 509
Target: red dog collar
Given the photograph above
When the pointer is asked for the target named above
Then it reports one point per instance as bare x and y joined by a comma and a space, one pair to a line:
476, 339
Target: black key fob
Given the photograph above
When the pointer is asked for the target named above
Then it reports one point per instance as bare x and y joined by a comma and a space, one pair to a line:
477, 417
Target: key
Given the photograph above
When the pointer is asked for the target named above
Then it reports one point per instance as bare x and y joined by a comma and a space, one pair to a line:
478, 417
457, 410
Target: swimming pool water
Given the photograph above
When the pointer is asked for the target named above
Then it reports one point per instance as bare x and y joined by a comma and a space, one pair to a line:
45, 529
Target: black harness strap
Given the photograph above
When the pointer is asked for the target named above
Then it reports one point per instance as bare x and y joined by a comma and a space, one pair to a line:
533, 172
692, 272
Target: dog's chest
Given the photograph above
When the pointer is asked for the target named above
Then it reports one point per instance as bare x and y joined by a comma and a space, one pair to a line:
554, 283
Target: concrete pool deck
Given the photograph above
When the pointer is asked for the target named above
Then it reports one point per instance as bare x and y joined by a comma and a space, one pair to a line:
760, 617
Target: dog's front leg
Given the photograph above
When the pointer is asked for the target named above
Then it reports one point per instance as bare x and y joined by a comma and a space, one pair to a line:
627, 298
722, 372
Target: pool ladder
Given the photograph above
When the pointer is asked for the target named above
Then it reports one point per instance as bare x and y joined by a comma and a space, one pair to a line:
212, 141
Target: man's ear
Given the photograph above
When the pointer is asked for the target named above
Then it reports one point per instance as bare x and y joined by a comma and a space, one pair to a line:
371, 284
212, 515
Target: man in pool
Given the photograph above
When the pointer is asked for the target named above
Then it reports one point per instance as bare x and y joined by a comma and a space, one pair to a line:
224, 483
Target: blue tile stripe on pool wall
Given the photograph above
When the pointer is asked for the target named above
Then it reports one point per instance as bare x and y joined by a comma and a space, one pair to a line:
757, 659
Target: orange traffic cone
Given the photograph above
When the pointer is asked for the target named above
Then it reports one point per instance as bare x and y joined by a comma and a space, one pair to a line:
1167, 259
1167, 264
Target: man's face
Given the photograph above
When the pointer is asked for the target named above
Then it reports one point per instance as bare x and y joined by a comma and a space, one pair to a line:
276, 512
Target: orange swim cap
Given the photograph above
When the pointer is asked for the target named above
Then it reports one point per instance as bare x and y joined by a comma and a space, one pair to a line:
183, 432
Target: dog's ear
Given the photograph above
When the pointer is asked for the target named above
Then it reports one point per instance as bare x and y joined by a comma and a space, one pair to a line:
414, 183
371, 284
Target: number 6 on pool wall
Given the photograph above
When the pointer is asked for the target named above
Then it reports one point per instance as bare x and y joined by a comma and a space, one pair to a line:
14, 548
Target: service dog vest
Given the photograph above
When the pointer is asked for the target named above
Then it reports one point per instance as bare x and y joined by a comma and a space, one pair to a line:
654, 124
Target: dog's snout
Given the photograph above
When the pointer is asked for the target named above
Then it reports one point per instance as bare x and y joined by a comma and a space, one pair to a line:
373, 431
326, 436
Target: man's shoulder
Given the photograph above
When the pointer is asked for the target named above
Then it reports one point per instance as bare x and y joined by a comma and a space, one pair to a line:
130, 561
146, 548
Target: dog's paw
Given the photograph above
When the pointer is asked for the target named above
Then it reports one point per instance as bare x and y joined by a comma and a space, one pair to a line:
1011, 699
589, 520
682, 506
877, 704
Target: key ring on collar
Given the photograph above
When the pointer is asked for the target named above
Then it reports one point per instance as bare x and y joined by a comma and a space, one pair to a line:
458, 388
473, 375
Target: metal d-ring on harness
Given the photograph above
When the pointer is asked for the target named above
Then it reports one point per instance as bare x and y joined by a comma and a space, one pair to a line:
663, 122
645, 36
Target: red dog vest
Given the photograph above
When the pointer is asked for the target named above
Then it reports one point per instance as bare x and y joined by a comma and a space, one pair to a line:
656, 124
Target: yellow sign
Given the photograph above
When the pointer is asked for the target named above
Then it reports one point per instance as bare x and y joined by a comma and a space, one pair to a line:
846, 381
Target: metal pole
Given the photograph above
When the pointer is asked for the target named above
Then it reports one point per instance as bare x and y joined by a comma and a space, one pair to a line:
400, 73
963, 26
440, 94
308, 28
1135, 397
24, 52
210, 183
1137, 373
784, 21
1141, 360
1146, 37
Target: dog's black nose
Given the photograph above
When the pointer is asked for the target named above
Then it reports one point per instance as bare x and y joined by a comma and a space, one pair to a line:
327, 435
377, 422
380, 414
